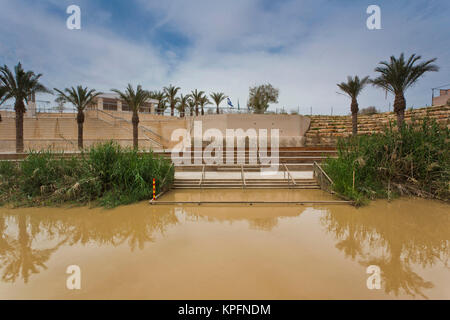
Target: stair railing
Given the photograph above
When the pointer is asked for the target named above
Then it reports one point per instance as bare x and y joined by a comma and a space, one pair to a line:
322, 178
289, 175
120, 119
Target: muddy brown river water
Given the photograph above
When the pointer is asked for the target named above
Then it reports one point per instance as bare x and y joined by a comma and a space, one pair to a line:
228, 252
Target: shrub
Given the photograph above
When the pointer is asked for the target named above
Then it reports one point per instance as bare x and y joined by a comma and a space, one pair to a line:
368, 111
412, 160
106, 173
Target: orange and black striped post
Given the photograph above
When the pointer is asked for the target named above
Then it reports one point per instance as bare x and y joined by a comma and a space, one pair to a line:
154, 189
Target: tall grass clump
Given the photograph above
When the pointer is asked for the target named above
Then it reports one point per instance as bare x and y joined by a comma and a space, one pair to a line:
105, 174
411, 160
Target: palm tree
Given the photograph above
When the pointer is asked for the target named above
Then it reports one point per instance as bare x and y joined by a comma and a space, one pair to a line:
203, 102
2, 93
196, 96
80, 98
161, 97
397, 75
183, 103
134, 99
19, 86
218, 97
353, 88
191, 105
170, 94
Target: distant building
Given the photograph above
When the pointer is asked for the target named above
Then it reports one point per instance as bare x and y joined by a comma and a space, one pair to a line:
112, 102
444, 96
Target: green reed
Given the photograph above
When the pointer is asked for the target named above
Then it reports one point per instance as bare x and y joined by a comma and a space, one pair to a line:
106, 175
412, 160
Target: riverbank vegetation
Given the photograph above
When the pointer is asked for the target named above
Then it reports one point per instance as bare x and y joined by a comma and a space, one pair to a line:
411, 160
104, 175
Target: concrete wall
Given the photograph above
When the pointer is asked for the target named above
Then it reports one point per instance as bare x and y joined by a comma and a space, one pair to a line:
443, 98
292, 128
59, 131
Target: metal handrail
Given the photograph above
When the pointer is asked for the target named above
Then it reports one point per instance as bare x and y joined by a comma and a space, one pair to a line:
202, 177
323, 172
323, 179
289, 174
130, 122
165, 177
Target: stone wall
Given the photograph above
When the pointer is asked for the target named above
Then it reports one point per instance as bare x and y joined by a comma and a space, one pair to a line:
325, 130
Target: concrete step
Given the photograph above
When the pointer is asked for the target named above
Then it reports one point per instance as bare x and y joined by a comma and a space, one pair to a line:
246, 187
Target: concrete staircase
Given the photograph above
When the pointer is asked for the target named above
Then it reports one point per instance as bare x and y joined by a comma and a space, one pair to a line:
294, 165
249, 184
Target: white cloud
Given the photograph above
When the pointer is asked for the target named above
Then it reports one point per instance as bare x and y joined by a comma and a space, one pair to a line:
320, 44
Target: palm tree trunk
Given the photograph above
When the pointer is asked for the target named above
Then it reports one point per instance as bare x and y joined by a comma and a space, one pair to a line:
172, 108
399, 108
80, 122
217, 109
135, 121
196, 110
192, 111
354, 124
203, 111
354, 109
20, 109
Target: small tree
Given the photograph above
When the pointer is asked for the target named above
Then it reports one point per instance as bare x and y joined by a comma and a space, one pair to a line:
197, 96
203, 102
135, 99
191, 105
19, 86
80, 97
261, 96
170, 93
161, 97
352, 89
183, 103
60, 100
368, 111
218, 97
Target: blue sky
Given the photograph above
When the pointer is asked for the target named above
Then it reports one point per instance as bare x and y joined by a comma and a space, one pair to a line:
302, 47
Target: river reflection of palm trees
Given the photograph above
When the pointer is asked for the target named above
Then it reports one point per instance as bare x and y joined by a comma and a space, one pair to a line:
20, 234
395, 240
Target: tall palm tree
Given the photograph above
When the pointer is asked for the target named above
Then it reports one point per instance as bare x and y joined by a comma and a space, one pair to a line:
218, 97
203, 102
397, 75
183, 103
196, 96
2, 93
135, 99
353, 88
80, 98
19, 86
170, 94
